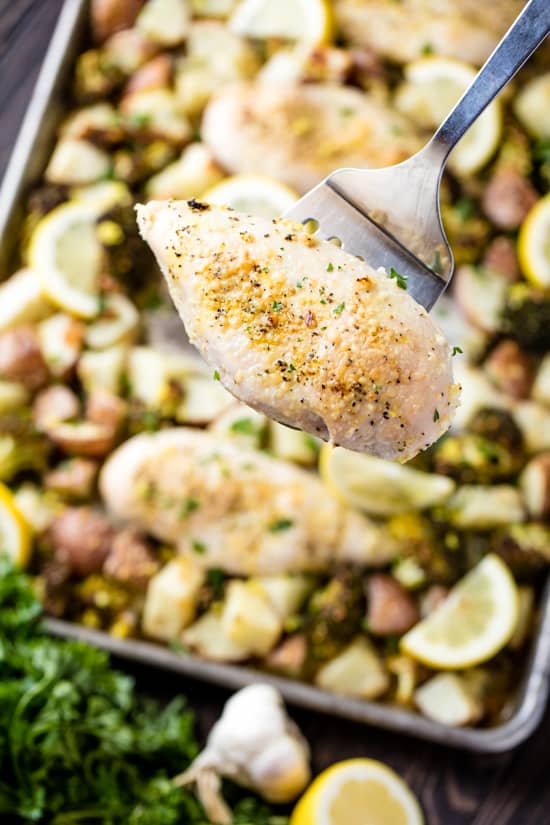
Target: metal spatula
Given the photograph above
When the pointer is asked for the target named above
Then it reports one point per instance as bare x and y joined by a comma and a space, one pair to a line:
391, 217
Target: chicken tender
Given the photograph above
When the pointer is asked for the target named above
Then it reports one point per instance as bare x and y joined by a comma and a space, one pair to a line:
299, 134
303, 332
235, 508
402, 31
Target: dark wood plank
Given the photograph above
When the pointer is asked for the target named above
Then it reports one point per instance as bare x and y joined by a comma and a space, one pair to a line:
455, 788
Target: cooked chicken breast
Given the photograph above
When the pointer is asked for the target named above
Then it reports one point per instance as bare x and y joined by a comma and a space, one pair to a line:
300, 330
235, 508
404, 30
299, 134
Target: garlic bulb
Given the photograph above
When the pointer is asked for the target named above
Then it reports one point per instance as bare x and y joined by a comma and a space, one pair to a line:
256, 745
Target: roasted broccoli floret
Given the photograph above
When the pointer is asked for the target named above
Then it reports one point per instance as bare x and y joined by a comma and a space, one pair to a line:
467, 232
334, 614
432, 544
526, 317
499, 427
118, 233
95, 77
524, 547
473, 459
22, 448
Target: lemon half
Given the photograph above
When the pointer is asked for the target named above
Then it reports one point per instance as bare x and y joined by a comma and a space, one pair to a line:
253, 195
534, 244
358, 792
67, 256
15, 533
432, 87
476, 620
309, 21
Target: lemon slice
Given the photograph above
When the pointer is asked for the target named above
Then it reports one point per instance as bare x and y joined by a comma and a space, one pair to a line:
432, 87
474, 622
15, 533
534, 244
66, 254
309, 21
253, 195
379, 487
358, 792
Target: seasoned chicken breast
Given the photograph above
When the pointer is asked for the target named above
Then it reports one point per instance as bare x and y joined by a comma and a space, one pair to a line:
235, 508
300, 330
403, 30
299, 134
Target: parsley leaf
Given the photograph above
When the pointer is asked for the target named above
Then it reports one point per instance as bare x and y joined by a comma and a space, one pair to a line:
280, 524
400, 279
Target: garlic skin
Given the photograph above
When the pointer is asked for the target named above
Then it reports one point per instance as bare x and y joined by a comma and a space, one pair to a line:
255, 744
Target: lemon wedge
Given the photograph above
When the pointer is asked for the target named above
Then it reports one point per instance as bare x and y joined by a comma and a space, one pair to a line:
476, 620
309, 21
15, 533
253, 195
534, 244
380, 487
432, 87
358, 792
66, 254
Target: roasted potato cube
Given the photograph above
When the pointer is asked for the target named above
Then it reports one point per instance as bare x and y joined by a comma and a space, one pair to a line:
103, 369
73, 479
81, 538
165, 22
208, 638
448, 699
75, 162
535, 486
190, 176
475, 507
357, 671
22, 300
61, 340
110, 16
130, 560
21, 359
390, 608
250, 618
171, 599
54, 404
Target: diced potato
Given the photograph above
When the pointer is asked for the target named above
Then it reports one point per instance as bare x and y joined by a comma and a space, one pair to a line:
74, 162
242, 423
171, 599
208, 638
409, 573
458, 331
109, 16
100, 120
357, 671
477, 392
406, 672
37, 507
103, 196
481, 295
534, 422
152, 374
526, 609
298, 64
213, 8
12, 396
249, 618
292, 445
119, 323
160, 112
541, 387
447, 699
188, 177
61, 338
477, 507
82, 438
286, 593
22, 300
203, 401
534, 483
165, 22
214, 56
127, 50
103, 369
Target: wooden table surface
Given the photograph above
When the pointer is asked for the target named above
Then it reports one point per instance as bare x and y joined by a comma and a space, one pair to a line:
455, 788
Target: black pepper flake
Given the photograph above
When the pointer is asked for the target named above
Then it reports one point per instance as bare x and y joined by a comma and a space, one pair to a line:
197, 206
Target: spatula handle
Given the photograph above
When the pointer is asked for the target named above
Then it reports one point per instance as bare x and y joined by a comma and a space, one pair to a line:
521, 40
